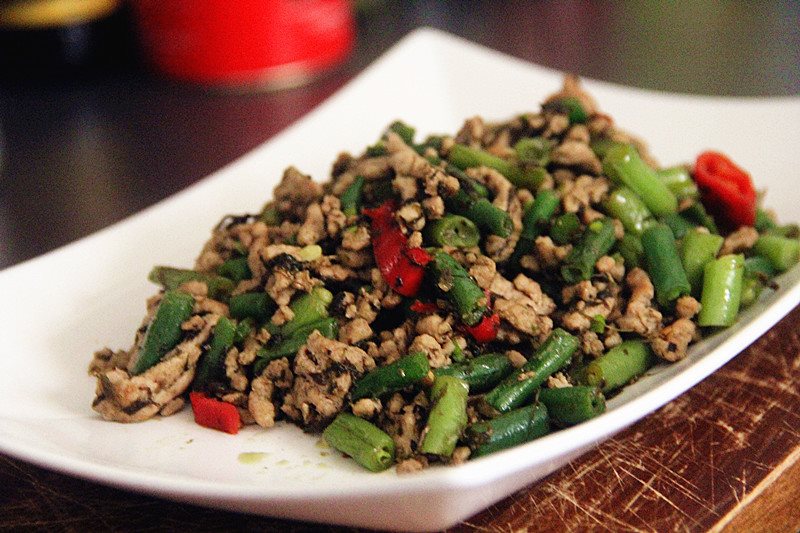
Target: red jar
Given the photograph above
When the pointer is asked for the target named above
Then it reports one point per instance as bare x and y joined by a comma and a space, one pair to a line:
245, 42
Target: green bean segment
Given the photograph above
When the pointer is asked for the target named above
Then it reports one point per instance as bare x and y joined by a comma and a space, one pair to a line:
630, 247
569, 406
452, 230
479, 210
679, 180
351, 197
507, 430
534, 151
211, 367
623, 165
235, 269
625, 205
722, 290
164, 332
447, 418
256, 305
288, 346
308, 308
170, 278
664, 264
520, 387
533, 221
596, 241
619, 366
406, 371
465, 157
459, 288
782, 252
480, 373
565, 229
697, 249
364, 442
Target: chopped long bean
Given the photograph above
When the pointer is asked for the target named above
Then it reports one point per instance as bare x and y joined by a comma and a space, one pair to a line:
459, 288
664, 264
619, 365
164, 332
480, 373
760, 265
630, 247
235, 269
722, 290
521, 385
625, 205
308, 308
364, 442
697, 249
512, 428
565, 229
351, 197
211, 367
534, 151
678, 224
480, 211
782, 252
256, 305
452, 230
405, 131
697, 213
568, 406
170, 278
623, 165
596, 240
465, 157
542, 209
406, 371
448, 416
287, 346
679, 181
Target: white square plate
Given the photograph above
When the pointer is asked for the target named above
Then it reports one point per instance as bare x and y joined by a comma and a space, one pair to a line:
61, 307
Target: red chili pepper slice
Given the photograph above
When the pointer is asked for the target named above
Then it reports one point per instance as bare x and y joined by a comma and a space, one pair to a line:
485, 330
727, 190
423, 308
402, 267
214, 414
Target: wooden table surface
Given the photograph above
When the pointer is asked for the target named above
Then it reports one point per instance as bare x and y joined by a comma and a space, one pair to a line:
80, 154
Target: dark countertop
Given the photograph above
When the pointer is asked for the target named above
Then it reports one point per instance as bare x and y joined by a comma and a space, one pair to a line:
80, 154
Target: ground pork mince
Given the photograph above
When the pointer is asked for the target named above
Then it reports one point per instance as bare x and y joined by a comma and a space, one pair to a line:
434, 289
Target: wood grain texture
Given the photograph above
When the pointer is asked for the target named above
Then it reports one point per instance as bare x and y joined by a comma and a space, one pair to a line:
722, 456
687, 467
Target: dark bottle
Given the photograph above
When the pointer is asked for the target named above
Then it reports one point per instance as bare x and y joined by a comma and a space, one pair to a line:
54, 38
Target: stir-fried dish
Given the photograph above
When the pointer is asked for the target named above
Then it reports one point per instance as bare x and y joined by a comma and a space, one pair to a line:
441, 299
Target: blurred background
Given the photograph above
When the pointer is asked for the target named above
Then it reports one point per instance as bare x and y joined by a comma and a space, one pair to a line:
107, 107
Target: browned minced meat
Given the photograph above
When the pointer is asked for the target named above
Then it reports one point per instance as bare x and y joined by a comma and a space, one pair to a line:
523, 305
404, 421
295, 192
577, 154
687, 307
277, 376
740, 240
640, 315
583, 192
324, 371
572, 89
588, 300
673, 340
